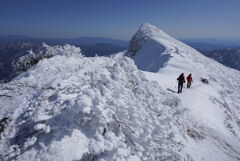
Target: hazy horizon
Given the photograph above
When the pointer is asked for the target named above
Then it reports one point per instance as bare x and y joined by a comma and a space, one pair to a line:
186, 19
207, 40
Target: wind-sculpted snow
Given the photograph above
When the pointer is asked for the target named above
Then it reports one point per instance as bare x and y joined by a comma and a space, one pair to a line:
70, 107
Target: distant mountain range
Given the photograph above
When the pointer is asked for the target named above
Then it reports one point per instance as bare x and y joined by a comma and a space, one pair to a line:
211, 44
214, 41
60, 41
228, 57
225, 52
199, 44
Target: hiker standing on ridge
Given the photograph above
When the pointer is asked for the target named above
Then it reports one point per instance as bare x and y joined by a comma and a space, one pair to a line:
181, 80
189, 80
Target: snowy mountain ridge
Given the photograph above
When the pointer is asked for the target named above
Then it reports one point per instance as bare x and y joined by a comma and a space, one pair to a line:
70, 107
213, 107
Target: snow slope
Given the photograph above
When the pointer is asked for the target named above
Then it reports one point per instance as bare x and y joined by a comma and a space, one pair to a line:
213, 109
70, 107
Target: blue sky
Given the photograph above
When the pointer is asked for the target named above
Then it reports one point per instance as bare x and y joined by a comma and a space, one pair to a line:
120, 19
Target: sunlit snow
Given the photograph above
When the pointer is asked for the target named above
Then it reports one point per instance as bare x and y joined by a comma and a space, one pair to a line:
122, 107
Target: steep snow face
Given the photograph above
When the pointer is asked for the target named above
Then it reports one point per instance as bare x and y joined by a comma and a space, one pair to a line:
152, 49
213, 117
70, 107
145, 32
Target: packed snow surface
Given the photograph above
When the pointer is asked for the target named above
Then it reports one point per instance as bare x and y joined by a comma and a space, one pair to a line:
70, 107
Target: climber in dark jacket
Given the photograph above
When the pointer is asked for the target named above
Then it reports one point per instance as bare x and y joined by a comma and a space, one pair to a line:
181, 80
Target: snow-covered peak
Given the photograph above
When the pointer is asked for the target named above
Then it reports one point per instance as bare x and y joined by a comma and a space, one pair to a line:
151, 31
144, 33
213, 107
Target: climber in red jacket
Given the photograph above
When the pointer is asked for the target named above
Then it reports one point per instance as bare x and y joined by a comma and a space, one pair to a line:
189, 80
